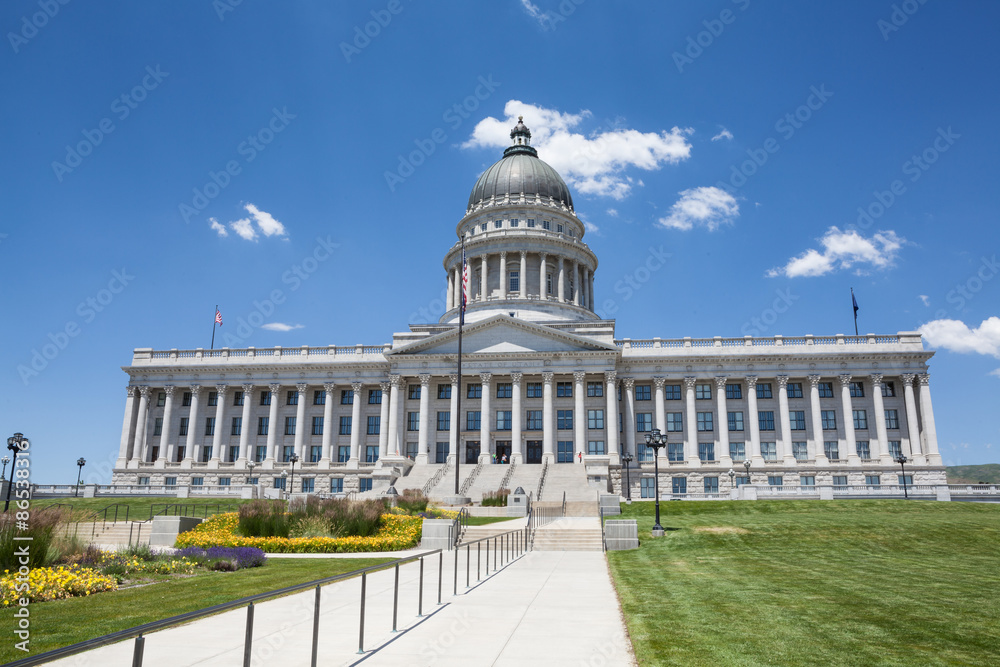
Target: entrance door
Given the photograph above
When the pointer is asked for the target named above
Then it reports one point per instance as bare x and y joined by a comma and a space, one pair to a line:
472, 452
503, 449
534, 452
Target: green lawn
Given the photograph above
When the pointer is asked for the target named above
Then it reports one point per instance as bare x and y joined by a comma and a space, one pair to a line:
64, 622
484, 520
885, 582
139, 507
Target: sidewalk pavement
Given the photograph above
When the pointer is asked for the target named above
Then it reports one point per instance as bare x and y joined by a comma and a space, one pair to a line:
552, 608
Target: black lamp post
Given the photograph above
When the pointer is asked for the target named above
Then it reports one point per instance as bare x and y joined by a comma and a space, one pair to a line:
250, 466
656, 440
901, 460
80, 462
284, 479
746, 464
627, 460
14, 445
293, 458
732, 479
3, 473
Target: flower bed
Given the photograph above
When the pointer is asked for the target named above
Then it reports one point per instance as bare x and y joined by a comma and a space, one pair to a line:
54, 583
396, 533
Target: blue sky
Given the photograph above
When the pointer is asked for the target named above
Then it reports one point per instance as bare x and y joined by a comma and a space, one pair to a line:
160, 158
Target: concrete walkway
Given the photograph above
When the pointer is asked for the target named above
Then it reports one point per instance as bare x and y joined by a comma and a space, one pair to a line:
552, 608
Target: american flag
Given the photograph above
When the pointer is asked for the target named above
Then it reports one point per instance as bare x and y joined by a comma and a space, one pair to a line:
218, 317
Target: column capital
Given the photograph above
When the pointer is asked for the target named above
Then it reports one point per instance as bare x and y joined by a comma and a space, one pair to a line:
814, 380
524, 253
579, 376
483, 257
751, 381
195, 389
610, 376
876, 378
130, 391
486, 377
689, 381
547, 377
274, 389
924, 379
356, 388
144, 391
453, 377
503, 254
515, 378
396, 381
659, 382
328, 387
425, 379
543, 255
782, 381
908, 378
168, 390
301, 389
845, 380
629, 383
384, 385
220, 389
247, 389
720, 381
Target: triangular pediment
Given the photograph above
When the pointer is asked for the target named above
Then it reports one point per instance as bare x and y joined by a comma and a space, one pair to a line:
503, 335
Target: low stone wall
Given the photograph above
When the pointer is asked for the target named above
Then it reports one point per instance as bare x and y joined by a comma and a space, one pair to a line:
165, 529
438, 534
621, 534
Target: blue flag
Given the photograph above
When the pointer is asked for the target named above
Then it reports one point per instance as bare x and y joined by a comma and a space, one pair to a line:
855, 301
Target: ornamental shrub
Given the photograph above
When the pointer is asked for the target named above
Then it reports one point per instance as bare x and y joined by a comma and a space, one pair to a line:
413, 501
496, 498
40, 527
263, 518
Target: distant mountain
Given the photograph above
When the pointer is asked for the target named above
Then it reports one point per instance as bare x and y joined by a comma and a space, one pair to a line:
988, 473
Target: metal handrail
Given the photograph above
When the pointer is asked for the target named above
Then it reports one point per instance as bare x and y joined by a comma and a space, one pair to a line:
604, 539
167, 507
506, 547
460, 523
138, 631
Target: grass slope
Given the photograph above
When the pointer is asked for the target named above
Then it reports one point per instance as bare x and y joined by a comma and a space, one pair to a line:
857, 582
138, 506
64, 622
988, 473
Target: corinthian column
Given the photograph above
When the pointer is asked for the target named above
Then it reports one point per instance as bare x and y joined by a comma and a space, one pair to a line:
394, 401
484, 281
423, 435
220, 407
503, 275
140, 428
355, 457
815, 416
611, 420
523, 282
192, 425
722, 424
542, 282
786, 425
561, 288
881, 449
327, 454
245, 452
168, 409
300, 421
125, 452
272, 425
660, 405
383, 419
515, 417
579, 417
927, 414
848, 408
548, 427
691, 422
485, 417
576, 283
753, 447
628, 423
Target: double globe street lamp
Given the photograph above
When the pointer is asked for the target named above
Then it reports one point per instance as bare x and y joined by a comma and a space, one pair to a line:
80, 462
902, 460
627, 460
15, 444
656, 440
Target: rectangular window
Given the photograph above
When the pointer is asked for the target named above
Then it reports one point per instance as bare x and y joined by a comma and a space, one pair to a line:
234, 453
336, 485
213, 398
675, 422
317, 426
279, 483
237, 426
265, 398
735, 421
497, 224
548, 282
345, 425
705, 421
775, 480
482, 227
857, 390
343, 453
711, 485
365, 484
644, 422
763, 390
183, 430
412, 421
794, 390
503, 420
308, 484
679, 485
595, 448
643, 392
860, 419
647, 487
505, 389
262, 425
170, 481
534, 389
734, 391
863, 449
472, 420
832, 449
595, 389
564, 451
158, 426
209, 425
740, 480
374, 424
891, 419
840, 480
474, 391
765, 419
441, 452
413, 391
371, 453
289, 425
292, 398
769, 451
564, 389
197, 481
672, 392
186, 399
534, 421
411, 449
798, 420
444, 391
737, 451
531, 222
513, 222
259, 453
873, 480
807, 480
319, 397
643, 453
675, 451
206, 453
564, 420
826, 390
800, 451
829, 419
546, 224
904, 480
515, 276
706, 451
703, 391
895, 449
559, 227
444, 421
374, 397
595, 418
238, 398
347, 397
315, 453
888, 389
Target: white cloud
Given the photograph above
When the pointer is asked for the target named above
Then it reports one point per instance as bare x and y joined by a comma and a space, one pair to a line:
266, 222
724, 134
925, 299
218, 228
592, 164
956, 336
281, 326
843, 250
244, 229
612, 212
707, 207
534, 12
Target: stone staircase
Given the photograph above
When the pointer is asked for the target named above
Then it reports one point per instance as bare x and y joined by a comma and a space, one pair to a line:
445, 486
418, 476
526, 476
473, 533
121, 533
489, 479
569, 534
571, 478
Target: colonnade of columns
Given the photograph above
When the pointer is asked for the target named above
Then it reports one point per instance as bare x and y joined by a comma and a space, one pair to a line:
572, 280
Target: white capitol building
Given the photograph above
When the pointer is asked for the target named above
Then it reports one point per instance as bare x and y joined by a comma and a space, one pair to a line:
546, 385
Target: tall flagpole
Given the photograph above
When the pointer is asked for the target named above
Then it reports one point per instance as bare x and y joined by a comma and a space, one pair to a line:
458, 404
854, 302
214, 320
